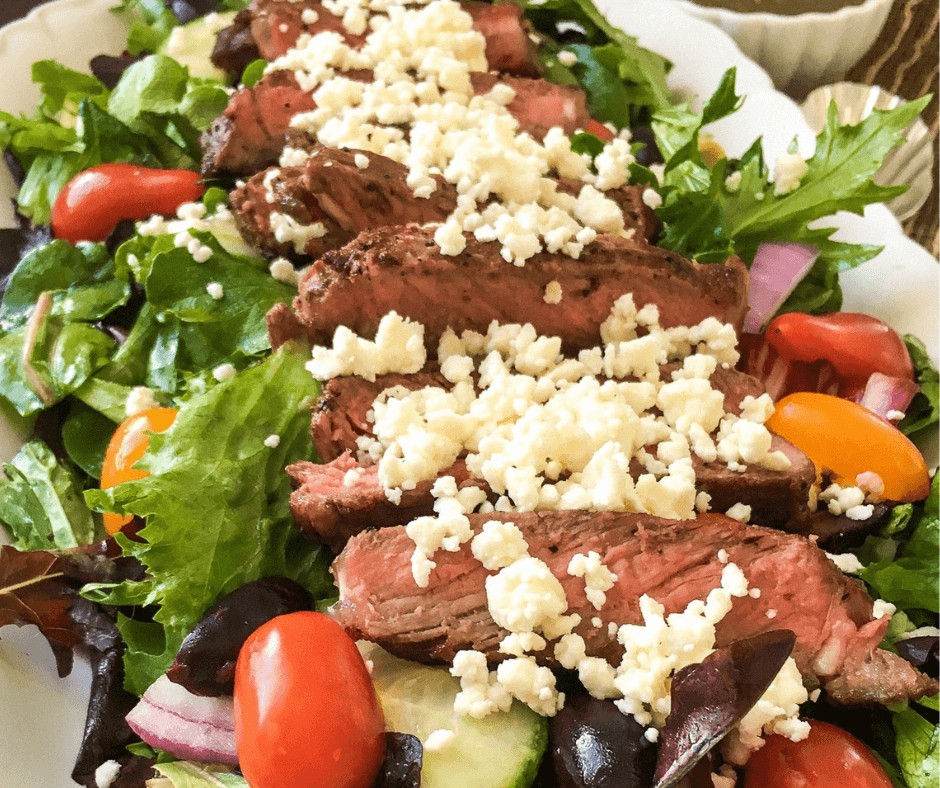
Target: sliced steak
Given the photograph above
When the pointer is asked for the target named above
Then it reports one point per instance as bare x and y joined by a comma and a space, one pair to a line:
673, 562
340, 415
331, 188
342, 498
275, 25
249, 134
402, 269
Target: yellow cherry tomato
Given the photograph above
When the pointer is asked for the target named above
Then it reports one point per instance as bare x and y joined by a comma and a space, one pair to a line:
127, 446
846, 439
711, 151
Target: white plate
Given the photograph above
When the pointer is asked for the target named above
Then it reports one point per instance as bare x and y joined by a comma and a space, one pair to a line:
41, 723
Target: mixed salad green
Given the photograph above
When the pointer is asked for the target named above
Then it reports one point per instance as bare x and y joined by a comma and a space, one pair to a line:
112, 317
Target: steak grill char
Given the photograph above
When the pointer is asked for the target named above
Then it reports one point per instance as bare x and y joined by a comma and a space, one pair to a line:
402, 269
673, 562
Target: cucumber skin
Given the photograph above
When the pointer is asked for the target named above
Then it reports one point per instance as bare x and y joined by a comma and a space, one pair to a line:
539, 747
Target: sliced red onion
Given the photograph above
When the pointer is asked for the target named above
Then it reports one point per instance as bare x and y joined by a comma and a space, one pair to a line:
884, 394
191, 727
776, 271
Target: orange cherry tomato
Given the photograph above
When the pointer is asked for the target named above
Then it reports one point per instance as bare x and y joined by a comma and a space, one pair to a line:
855, 345
306, 712
91, 204
829, 758
127, 446
847, 439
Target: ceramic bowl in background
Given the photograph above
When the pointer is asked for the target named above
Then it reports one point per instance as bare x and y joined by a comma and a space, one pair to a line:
801, 51
911, 164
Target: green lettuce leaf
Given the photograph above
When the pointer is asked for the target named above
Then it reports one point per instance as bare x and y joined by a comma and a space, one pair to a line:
623, 81
924, 410
708, 217
909, 579
185, 774
86, 433
83, 282
216, 508
917, 748
41, 502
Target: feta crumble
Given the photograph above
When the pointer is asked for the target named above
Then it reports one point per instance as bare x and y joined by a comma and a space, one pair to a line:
215, 290
140, 399
788, 173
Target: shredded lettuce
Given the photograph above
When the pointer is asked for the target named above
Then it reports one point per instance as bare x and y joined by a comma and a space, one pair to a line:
216, 508
186, 774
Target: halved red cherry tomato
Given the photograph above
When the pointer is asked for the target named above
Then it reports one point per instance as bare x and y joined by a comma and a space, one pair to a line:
847, 439
856, 345
829, 758
599, 130
306, 712
127, 446
91, 204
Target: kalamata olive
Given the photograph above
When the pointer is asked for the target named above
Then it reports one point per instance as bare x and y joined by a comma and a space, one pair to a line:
594, 745
921, 652
205, 664
188, 10
710, 697
401, 767
649, 154
839, 534
110, 68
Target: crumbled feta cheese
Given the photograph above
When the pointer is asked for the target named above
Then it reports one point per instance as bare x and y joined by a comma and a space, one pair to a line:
771, 613
567, 58
740, 512
788, 172
880, 609
525, 596
723, 556
361, 161
847, 562
309, 17
438, 740
518, 644
861, 512
532, 684
398, 347
223, 372
841, 499
107, 773
272, 441
287, 229
215, 290
777, 712
498, 545
140, 399
283, 271
552, 293
598, 579
652, 199
895, 415
651, 735
733, 182
480, 692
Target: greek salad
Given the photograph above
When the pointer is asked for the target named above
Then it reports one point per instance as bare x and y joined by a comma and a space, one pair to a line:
417, 395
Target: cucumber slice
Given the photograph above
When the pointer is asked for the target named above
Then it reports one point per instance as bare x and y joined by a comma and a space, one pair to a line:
191, 44
502, 750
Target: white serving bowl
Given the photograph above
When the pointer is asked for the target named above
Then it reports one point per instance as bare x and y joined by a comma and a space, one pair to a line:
805, 50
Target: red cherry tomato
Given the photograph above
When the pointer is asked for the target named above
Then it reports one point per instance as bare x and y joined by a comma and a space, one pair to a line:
91, 204
306, 712
127, 446
829, 758
855, 345
598, 129
847, 439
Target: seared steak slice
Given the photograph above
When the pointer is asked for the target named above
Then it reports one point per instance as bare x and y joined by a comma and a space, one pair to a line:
674, 562
340, 504
402, 269
275, 25
235, 46
331, 512
330, 188
249, 134
340, 414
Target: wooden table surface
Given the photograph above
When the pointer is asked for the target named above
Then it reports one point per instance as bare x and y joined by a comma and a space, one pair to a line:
903, 61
